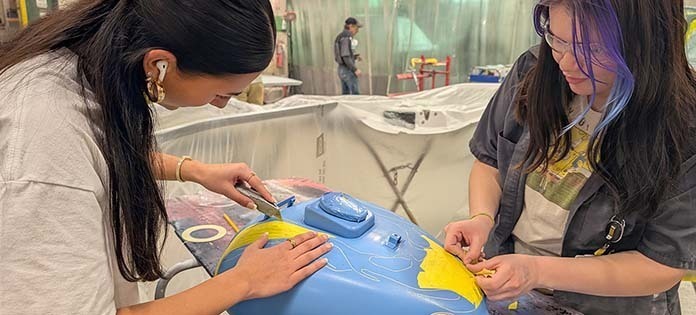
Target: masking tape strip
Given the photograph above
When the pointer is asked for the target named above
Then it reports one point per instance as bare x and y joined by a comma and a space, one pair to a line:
690, 276
221, 232
440, 270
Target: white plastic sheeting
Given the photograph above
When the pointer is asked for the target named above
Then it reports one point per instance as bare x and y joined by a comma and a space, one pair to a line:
346, 143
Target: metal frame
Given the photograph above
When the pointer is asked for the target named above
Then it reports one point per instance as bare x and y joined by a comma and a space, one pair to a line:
398, 192
162, 284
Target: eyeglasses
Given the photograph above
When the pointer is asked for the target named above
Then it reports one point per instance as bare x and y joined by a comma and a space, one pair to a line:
560, 46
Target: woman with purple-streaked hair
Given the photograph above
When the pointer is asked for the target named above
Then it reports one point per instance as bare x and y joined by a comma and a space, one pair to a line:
584, 185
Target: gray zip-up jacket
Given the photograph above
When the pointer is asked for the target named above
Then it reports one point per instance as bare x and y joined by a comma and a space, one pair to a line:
669, 238
343, 51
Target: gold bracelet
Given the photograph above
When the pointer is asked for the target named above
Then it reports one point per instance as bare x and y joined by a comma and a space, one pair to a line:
483, 214
178, 167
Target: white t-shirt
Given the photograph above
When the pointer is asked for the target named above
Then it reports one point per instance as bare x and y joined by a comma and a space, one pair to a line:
548, 195
56, 255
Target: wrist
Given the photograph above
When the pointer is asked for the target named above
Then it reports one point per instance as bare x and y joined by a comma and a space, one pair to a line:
540, 263
192, 171
238, 282
483, 217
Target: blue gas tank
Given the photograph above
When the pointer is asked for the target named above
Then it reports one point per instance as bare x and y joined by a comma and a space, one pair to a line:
380, 264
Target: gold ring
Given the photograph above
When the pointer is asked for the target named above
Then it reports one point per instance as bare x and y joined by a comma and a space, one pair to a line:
250, 176
292, 242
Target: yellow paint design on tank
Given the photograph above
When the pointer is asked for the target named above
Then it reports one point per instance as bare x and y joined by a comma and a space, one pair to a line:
443, 271
275, 230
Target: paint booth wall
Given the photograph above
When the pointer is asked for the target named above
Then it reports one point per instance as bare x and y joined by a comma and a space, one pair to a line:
473, 32
347, 144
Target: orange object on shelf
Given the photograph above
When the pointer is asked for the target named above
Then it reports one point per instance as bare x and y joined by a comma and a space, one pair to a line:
426, 68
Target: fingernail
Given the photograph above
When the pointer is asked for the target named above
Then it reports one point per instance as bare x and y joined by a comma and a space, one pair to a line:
325, 237
329, 245
265, 234
274, 200
325, 260
252, 206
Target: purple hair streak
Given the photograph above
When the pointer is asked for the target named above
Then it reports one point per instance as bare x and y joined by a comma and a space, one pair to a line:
595, 18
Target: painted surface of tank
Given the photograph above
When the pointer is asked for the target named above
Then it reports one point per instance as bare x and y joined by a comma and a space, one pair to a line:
380, 264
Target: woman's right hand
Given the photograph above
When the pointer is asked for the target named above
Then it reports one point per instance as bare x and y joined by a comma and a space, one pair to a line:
270, 271
472, 233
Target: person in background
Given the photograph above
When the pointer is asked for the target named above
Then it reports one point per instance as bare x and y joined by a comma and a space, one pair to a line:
585, 174
345, 57
81, 211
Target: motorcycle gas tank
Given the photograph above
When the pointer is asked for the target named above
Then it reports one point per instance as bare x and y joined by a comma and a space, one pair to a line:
380, 264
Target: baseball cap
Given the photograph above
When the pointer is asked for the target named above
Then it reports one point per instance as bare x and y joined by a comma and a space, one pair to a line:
353, 21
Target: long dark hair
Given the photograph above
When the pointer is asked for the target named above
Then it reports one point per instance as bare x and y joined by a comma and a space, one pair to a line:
110, 38
640, 142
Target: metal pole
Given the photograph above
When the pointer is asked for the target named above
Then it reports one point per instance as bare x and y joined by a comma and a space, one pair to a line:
161, 289
385, 172
409, 179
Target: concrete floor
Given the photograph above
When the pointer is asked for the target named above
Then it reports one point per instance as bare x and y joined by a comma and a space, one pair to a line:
175, 251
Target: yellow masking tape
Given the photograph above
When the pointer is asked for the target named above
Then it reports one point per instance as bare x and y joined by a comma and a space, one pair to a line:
690, 276
513, 306
188, 233
486, 273
443, 271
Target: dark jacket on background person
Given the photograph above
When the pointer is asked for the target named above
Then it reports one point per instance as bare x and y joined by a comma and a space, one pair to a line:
343, 51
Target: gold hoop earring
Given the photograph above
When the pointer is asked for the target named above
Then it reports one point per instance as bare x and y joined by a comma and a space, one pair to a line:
155, 90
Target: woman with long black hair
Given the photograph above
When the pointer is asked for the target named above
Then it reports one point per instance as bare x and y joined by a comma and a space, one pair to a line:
81, 212
585, 179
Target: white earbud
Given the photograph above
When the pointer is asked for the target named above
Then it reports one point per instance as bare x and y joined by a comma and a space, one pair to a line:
162, 67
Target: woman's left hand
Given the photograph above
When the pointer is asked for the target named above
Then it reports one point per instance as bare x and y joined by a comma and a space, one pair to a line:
514, 276
221, 178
